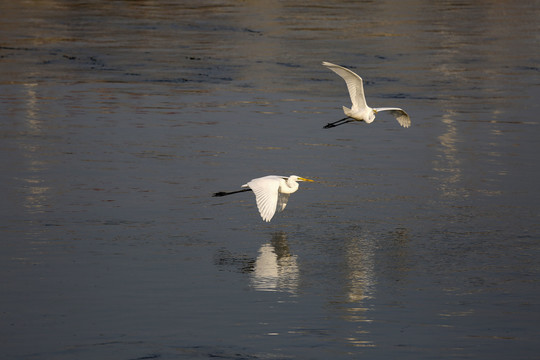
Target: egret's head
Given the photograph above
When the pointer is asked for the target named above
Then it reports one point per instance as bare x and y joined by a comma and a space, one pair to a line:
372, 116
294, 178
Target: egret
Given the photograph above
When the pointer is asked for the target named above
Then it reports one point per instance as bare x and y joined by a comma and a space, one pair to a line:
271, 193
360, 111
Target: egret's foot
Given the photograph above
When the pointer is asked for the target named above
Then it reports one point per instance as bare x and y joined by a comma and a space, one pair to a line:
337, 123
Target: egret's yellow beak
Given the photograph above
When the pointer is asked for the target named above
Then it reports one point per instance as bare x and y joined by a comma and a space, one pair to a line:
304, 179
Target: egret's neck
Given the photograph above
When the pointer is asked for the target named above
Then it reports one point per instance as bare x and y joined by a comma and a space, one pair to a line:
371, 115
288, 186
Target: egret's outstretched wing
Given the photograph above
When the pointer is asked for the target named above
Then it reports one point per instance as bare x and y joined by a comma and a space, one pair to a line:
266, 190
401, 116
354, 84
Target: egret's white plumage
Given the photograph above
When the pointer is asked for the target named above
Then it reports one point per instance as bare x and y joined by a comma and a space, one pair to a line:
271, 193
360, 110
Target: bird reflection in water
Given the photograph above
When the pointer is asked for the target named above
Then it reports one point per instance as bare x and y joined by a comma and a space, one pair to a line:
276, 269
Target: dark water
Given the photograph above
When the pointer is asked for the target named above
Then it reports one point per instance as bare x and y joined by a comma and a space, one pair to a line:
119, 119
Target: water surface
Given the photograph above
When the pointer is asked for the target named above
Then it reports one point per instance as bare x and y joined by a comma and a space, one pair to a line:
119, 120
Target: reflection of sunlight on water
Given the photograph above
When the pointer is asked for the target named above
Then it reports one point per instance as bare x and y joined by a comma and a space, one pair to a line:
32, 120
275, 268
449, 164
360, 273
36, 193
360, 269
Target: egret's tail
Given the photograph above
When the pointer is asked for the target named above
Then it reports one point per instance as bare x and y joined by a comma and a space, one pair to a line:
347, 111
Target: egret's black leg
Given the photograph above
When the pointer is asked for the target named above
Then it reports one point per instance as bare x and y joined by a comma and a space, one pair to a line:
224, 193
337, 123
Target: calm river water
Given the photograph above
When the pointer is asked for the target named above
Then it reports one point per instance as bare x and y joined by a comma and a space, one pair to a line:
119, 119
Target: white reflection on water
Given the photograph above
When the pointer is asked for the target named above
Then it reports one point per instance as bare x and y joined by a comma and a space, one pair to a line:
276, 269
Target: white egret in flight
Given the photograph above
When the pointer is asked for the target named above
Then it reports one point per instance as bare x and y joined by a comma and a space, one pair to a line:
271, 193
360, 111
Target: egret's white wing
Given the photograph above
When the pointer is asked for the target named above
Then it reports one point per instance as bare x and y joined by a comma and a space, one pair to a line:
282, 201
401, 116
266, 190
354, 84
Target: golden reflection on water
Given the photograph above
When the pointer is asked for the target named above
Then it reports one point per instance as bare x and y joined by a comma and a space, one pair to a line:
361, 280
36, 192
32, 119
36, 195
359, 261
448, 164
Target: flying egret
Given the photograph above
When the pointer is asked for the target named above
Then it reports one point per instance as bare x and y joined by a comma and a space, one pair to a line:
271, 193
360, 111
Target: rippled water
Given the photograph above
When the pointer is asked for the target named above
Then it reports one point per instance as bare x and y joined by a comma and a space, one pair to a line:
119, 119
